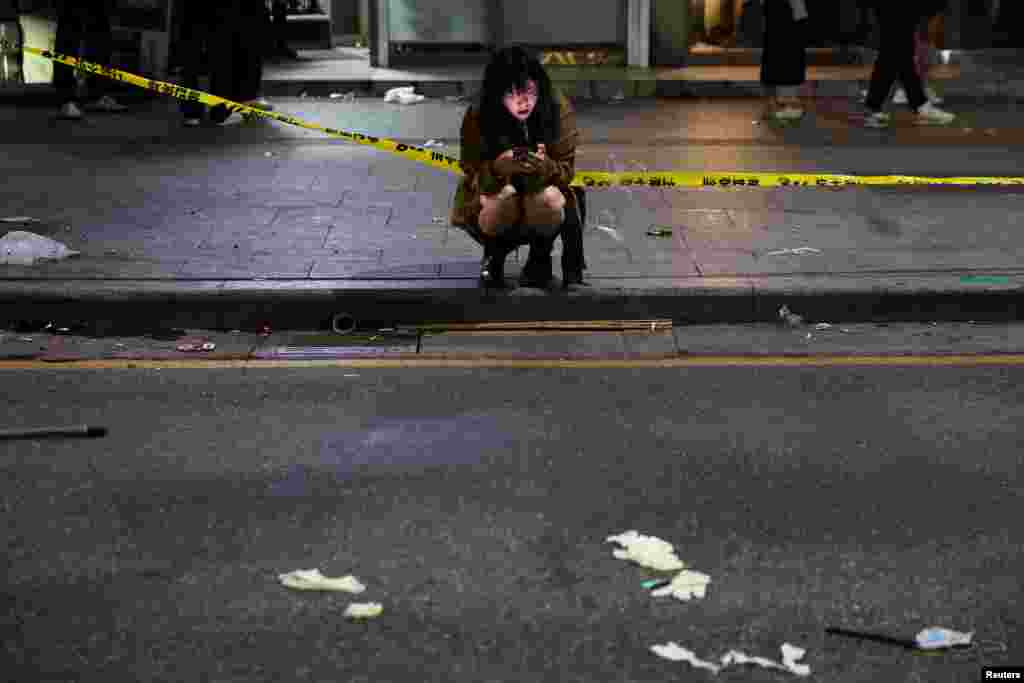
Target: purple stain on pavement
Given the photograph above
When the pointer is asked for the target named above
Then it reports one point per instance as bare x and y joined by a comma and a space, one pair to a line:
457, 440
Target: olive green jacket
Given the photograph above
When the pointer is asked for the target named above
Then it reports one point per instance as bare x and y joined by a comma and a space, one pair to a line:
479, 172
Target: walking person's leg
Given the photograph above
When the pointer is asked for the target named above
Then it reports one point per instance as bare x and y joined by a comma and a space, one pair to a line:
99, 48
70, 31
223, 68
193, 43
784, 59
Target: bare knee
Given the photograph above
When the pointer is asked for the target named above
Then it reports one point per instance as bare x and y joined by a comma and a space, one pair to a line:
553, 198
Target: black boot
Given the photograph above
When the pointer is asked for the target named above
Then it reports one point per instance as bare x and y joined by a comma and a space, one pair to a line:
537, 272
492, 268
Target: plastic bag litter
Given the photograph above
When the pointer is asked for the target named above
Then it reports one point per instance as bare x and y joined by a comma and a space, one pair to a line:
790, 658
20, 248
647, 551
363, 610
313, 580
403, 95
934, 638
685, 586
433, 143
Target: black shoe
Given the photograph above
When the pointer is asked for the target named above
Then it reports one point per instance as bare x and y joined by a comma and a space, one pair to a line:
492, 268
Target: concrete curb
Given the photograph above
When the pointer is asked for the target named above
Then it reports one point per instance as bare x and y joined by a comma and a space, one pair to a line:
125, 307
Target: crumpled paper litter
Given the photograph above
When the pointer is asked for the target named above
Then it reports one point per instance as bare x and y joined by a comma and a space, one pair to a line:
647, 551
685, 586
313, 580
363, 610
403, 95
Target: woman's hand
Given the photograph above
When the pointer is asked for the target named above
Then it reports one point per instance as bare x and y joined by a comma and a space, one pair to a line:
507, 165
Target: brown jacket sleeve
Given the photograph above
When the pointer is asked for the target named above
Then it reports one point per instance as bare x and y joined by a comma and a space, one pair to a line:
563, 151
479, 171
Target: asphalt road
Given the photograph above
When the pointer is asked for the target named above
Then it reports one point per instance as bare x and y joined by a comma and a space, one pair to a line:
475, 504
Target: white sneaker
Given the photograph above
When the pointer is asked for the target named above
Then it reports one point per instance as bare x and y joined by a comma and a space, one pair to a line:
930, 115
900, 96
788, 113
106, 104
876, 119
70, 111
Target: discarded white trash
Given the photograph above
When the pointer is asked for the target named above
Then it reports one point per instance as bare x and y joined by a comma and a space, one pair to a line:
790, 655
20, 248
823, 326
796, 252
789, 317
403, 95
647, 551
790, 659
313, 580
19, 219
677, 653
363, 610
433, 143
685, 586
345, 97
935, 638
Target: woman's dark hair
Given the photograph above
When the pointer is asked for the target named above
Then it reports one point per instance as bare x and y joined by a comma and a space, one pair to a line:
510, 68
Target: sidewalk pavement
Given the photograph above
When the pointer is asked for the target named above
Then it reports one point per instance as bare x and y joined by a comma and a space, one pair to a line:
242, 226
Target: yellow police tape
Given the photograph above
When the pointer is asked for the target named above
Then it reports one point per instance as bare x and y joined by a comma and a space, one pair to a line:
662, 179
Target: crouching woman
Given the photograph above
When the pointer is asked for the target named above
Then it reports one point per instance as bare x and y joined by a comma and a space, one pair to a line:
519, 156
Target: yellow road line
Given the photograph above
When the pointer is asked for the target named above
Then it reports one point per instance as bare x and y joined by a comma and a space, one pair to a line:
741, 361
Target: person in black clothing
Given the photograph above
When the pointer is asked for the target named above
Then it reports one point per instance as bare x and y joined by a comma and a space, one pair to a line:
898, 22
277, 43
236, 53
88, 20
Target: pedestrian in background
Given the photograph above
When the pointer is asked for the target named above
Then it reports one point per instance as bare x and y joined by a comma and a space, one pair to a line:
236, 48
922, 52
898, 21
518, 145
784, 58
87, 20
195, 33
277, 37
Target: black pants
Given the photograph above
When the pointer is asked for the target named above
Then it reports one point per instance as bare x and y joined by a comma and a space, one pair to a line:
79, 20
784, 60
236, 56
897, 24
195, 30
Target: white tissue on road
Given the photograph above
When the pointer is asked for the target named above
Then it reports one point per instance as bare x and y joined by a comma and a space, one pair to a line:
687, 585
797, 251
677, 653
935, 638
403, 95
648, 551
21, 248
363, 610
313, 580
791, 655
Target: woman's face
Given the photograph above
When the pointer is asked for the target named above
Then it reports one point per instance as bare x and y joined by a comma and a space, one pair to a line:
520, 103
